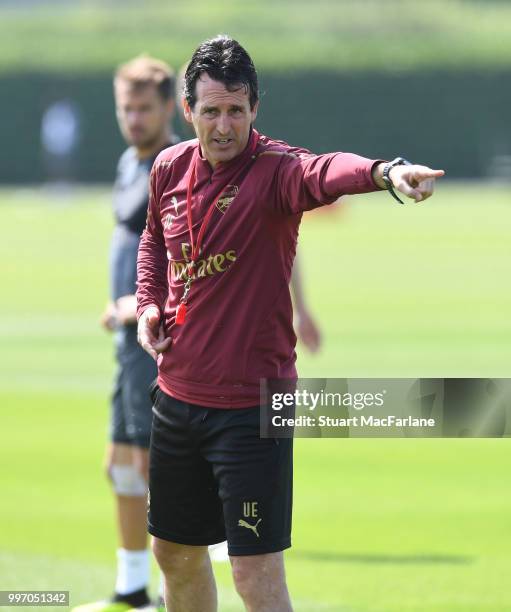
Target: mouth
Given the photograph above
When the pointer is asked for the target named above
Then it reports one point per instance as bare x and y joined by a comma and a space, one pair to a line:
223, 142
136, 133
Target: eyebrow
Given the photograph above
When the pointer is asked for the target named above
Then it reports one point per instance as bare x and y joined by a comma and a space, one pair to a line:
208, 108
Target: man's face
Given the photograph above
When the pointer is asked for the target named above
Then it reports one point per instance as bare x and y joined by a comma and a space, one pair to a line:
142, 114
221, 119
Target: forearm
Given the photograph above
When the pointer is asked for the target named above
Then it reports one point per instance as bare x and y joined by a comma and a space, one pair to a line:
151, 274
349, 174
126, 307
310, 181
377, 175
296, 286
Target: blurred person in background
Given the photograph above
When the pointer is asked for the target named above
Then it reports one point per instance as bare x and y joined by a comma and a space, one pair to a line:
144, 91
60, 138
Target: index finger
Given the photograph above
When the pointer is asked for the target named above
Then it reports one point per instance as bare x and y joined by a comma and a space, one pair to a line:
428, 173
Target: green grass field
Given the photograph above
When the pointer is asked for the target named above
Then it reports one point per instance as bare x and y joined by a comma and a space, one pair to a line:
379, 525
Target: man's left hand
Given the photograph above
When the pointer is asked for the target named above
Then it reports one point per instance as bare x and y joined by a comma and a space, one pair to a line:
414, 181
417, 182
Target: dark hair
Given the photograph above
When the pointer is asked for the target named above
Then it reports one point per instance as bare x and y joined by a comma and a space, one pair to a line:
224, 60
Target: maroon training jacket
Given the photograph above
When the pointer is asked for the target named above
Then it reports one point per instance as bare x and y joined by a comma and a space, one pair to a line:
238, 326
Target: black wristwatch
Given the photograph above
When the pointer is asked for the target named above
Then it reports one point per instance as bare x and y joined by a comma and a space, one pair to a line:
399, 161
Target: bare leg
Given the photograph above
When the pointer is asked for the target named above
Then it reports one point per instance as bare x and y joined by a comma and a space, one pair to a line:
131, 511
261, 582
189, 581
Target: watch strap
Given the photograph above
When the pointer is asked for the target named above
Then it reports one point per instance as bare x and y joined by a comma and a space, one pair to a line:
398, 161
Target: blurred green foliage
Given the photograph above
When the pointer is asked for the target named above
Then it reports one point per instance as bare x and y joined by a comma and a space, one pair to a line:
390, 35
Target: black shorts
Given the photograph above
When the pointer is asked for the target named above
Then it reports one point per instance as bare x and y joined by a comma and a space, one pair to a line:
212, 478
131, 414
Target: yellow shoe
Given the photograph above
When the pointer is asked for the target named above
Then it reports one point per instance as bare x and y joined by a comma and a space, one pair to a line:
118, 603
104, 606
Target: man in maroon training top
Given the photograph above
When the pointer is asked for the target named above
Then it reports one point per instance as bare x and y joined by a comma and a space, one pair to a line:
214, 310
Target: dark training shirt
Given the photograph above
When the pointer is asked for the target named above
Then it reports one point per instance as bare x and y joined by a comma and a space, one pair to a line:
130, 200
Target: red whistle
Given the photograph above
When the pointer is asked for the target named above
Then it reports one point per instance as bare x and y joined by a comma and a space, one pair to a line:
180, 313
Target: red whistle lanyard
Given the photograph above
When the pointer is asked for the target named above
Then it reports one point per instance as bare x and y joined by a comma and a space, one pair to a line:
181, 309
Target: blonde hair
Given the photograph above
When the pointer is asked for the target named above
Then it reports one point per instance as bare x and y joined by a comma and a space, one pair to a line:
145, 70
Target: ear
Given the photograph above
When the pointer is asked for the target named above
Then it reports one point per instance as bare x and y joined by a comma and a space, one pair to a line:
187, 111
254, 111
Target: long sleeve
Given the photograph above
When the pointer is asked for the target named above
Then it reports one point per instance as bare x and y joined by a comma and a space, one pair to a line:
152, 287
309, 181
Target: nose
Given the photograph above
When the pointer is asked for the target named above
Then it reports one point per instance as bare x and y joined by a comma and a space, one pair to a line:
223, 124
133, 118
